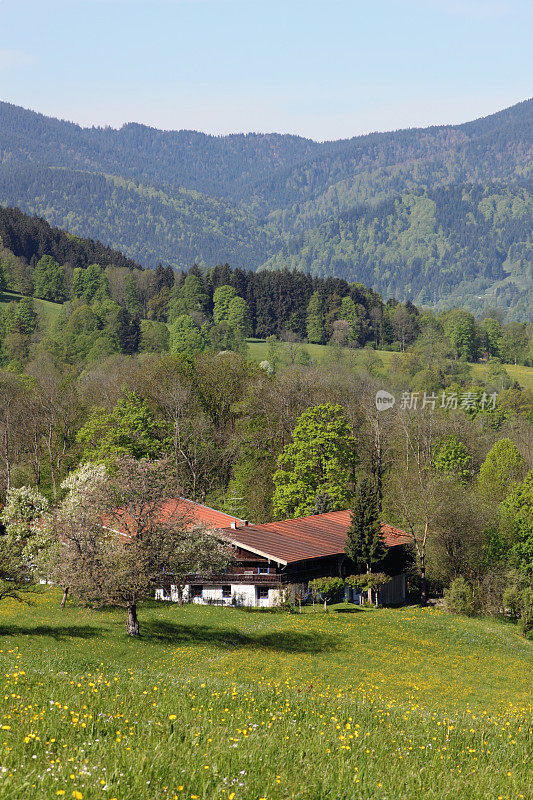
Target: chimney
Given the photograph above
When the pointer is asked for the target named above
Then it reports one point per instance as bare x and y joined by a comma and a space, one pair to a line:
234, 525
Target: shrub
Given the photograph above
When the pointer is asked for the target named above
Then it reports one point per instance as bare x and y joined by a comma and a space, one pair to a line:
518, 601
368, 581
460, 597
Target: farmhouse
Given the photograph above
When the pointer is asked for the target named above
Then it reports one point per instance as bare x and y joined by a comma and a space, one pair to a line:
272, 557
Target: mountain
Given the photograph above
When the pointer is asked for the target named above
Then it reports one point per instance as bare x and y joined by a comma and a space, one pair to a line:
434, 247
258, 200
30, 238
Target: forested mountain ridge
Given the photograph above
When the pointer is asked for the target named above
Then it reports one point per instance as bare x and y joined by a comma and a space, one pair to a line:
433, 247
215, 165
149, 224
370, 168
275, 169
268, 199
24, 240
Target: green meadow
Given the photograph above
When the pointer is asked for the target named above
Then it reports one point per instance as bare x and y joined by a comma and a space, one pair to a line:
209, 703
322, 354
47, 311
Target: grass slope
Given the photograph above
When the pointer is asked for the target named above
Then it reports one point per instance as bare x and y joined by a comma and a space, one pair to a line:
322, 354
48, 312
218, 703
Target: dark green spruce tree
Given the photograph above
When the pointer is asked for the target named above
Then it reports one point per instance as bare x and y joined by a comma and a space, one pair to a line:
364, 544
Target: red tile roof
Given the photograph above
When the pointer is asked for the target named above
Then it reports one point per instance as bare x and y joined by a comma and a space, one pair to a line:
285, 542
199, 513
305, 538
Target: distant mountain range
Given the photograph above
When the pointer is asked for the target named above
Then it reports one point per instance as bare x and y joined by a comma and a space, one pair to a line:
439, 215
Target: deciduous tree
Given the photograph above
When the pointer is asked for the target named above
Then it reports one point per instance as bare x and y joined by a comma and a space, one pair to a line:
503, 468
328, 587
130, 429
117, 545
319, 461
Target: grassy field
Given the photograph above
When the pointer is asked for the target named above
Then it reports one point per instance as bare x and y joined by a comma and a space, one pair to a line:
318, 352
524, 375
219, 703
322, 353
47, 311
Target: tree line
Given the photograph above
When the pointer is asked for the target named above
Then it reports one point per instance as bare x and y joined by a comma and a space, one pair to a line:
117, 309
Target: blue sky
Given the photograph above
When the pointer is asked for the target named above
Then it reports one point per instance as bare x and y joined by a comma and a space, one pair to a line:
320, 68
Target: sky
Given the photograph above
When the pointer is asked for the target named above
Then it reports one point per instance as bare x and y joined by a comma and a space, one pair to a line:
324, 69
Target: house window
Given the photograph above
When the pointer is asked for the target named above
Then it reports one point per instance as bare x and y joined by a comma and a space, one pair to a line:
226, 592
197, 591
263, 570
262, 592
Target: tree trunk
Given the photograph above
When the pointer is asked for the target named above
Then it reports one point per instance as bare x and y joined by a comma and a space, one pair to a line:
64, 598
423, 585
325, 605
132, 623
369, 590
180, 595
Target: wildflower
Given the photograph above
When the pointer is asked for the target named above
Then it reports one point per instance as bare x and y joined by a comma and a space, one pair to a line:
173, 716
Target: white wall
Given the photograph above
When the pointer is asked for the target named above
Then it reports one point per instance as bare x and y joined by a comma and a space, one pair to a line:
241, 595
244, 595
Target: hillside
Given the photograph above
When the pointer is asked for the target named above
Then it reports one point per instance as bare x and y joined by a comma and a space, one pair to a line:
262, 199
433, 247
31, 237
176, 225
247, 706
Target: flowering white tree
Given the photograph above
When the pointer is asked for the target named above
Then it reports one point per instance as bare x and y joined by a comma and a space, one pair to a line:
87, 476
23, 541
117, 546
87, 479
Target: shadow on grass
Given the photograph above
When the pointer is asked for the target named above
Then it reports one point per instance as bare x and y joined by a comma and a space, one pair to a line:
354, 610
55, 632
279, 642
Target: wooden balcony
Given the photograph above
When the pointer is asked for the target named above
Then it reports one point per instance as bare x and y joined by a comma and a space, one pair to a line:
247, 577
